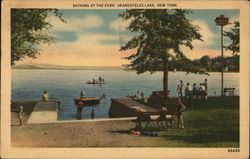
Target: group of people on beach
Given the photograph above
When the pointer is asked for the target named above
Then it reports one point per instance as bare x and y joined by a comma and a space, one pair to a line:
194, 92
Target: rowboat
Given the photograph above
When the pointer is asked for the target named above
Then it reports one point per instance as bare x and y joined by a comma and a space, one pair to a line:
88, 101
95, 82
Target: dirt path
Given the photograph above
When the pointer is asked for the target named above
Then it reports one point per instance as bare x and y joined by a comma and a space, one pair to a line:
83, 134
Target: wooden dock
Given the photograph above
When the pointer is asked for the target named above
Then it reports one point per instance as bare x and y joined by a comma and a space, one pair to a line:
44, 112
127, 107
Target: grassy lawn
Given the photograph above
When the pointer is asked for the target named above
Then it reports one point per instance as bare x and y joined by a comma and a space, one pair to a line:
211, 124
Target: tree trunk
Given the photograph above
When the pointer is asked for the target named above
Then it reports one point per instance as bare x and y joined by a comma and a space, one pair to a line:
165, 79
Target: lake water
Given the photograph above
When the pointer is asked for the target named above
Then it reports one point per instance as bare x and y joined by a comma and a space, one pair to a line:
67, 84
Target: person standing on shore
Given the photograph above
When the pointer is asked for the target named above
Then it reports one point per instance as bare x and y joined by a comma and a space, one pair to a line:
93, 114
45, 96
195, 92
142, 96
181, 87
206, 89
178, 90
188, 93
202, 92
20, 115
180, 107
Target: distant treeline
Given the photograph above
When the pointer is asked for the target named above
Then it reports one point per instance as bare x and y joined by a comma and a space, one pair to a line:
208, 64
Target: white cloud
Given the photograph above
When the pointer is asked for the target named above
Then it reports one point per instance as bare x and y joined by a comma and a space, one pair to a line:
208, 35
86, 51
120, 25
197, 53
231, 23
76, 24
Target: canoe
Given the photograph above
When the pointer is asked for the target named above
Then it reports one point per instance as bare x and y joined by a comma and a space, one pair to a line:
95, 83
88, 101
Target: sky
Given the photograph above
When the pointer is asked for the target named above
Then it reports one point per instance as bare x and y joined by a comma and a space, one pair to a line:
94, 37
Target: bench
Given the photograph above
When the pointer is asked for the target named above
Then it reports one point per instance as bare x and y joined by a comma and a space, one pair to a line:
229, 90
159, 93
149, 117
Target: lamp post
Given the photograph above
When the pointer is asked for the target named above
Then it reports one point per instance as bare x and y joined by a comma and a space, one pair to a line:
221, 21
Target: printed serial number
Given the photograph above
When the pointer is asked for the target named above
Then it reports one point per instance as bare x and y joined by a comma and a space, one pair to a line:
233, 150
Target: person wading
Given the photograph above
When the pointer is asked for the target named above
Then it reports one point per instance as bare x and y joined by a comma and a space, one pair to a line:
79, 109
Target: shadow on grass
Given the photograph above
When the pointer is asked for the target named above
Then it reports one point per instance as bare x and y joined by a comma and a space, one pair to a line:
204, 138
214, 123
120, 132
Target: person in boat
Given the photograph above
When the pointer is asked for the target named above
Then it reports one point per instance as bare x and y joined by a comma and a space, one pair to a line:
45, 96
82, 95
79, 109
100, 79
93, 114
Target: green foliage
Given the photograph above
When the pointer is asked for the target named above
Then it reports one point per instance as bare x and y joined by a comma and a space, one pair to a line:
28, 30
158, 37
234, 35
214, 64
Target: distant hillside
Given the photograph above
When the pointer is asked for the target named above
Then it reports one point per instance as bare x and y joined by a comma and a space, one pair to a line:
58, 67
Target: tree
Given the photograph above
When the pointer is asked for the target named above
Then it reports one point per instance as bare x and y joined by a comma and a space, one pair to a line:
205, 61
234, 35
28, 30
158, 36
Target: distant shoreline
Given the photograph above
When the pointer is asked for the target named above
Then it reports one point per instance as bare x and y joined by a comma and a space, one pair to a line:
111, 69
58, 67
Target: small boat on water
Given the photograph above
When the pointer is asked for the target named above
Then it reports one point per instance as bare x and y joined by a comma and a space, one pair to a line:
95, 82
88, 101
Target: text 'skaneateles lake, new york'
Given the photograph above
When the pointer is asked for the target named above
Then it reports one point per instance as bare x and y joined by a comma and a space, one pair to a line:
67, 84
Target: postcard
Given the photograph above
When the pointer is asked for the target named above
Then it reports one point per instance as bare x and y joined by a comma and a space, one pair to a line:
125, 79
